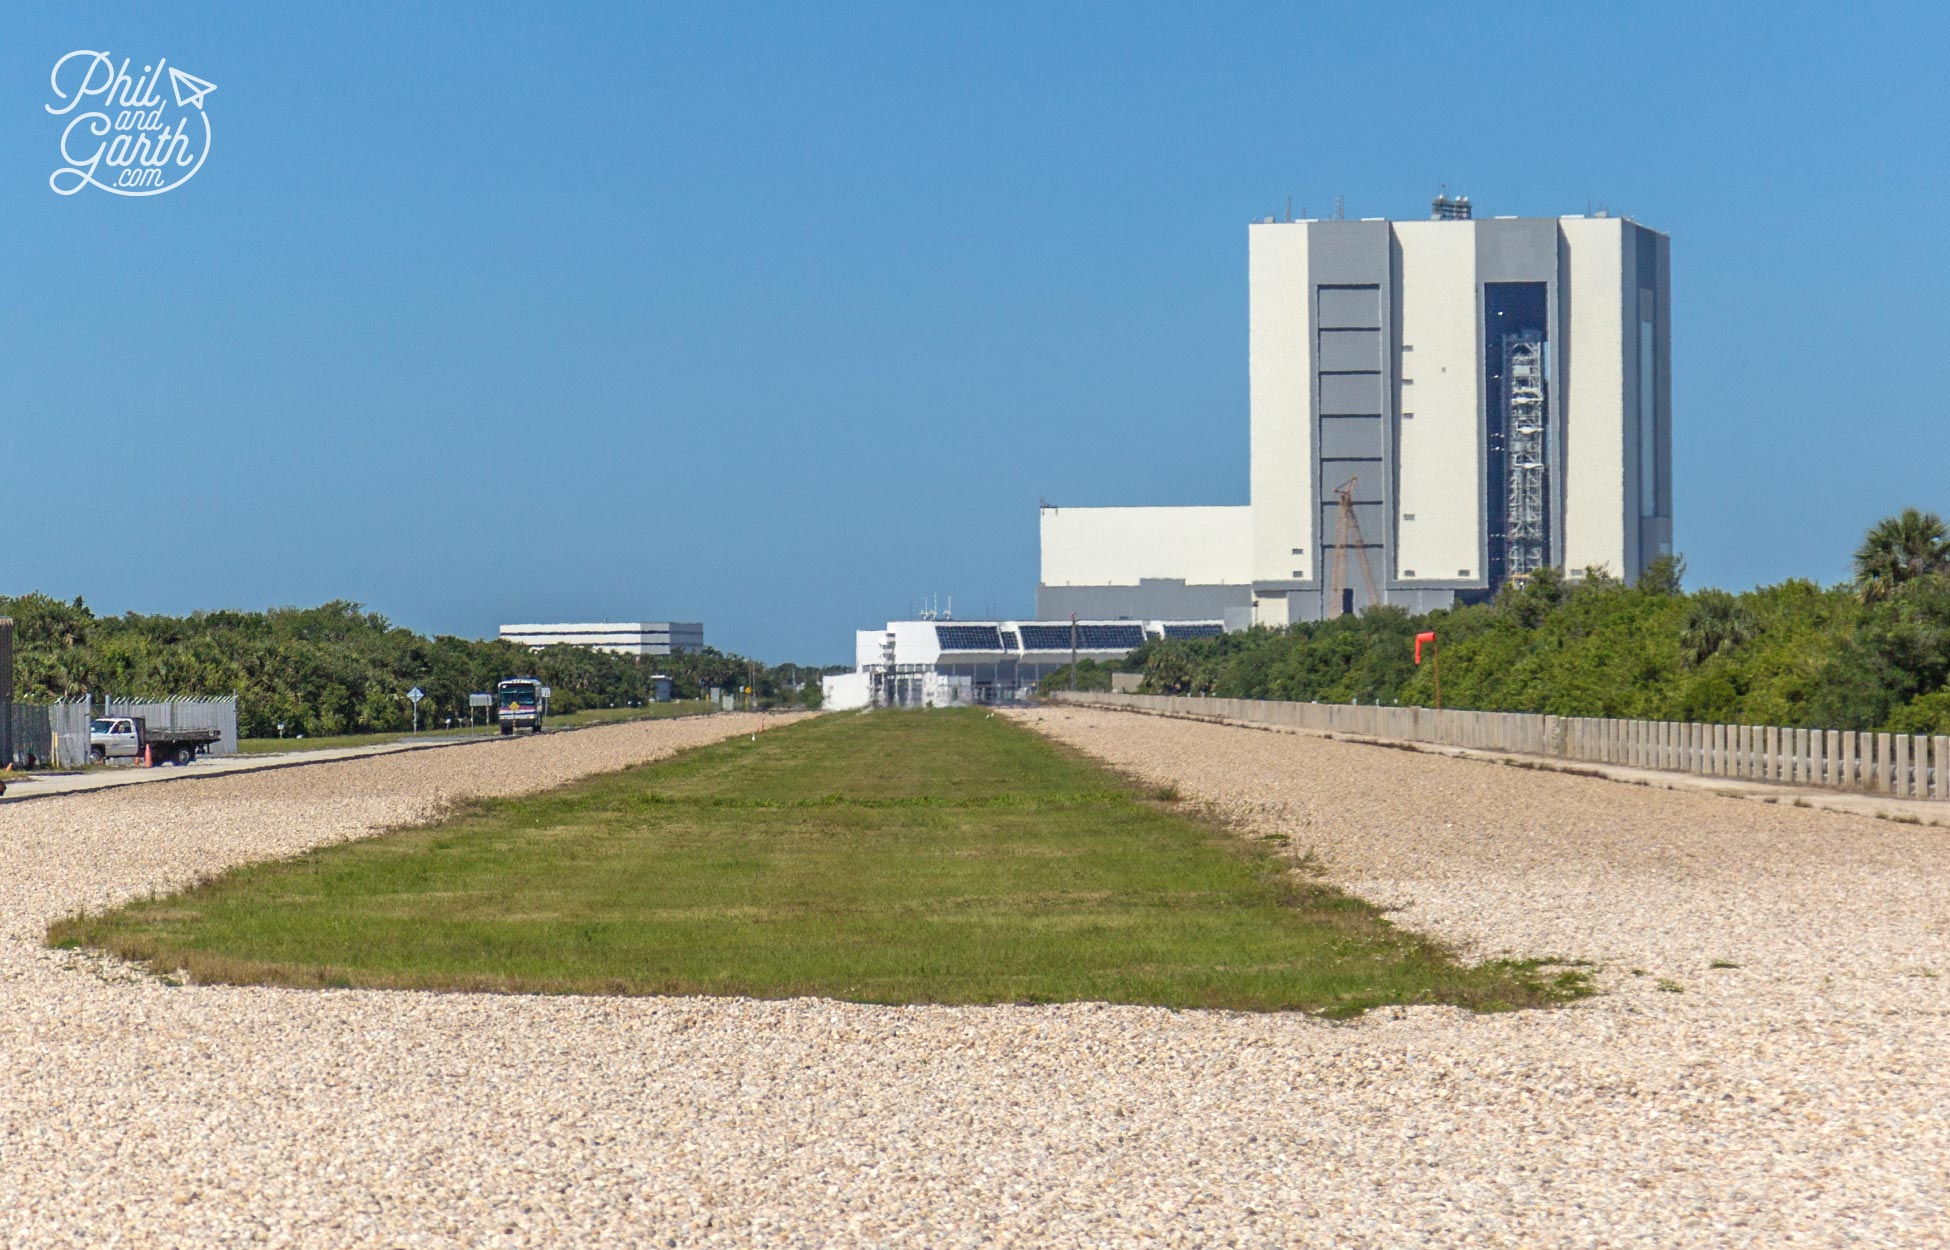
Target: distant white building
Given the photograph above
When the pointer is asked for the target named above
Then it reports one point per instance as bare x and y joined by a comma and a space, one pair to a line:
935, 663
631, 638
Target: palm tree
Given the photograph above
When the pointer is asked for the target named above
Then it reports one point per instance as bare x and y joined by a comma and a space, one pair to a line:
1909, 545
1716, 622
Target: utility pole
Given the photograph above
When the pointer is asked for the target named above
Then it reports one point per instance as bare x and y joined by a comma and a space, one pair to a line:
1073, 651
6, 692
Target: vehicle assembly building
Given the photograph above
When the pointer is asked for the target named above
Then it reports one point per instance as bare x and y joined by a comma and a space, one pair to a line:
631, 638
1436, 407
926, 662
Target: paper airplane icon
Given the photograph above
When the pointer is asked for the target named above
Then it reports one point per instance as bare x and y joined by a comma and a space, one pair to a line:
190, 89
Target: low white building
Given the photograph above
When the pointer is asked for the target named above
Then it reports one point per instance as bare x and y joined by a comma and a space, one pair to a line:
1147, 563
621, 638
844, 692
937, 663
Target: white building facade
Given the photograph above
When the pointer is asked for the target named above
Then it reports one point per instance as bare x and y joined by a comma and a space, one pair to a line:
621, 638
1437, 407
939, 663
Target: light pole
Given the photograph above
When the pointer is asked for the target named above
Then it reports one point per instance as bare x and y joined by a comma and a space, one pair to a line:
6, 692
1073, 651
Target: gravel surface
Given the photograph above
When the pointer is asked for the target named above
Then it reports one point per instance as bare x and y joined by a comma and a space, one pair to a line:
1798, 1099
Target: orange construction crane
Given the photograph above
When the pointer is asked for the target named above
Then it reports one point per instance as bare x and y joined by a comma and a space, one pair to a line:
1347, 533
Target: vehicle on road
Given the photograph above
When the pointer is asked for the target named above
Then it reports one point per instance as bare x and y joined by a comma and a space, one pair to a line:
130, 738
520, 701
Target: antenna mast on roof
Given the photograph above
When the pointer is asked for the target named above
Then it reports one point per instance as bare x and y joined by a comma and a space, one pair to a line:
1448, 208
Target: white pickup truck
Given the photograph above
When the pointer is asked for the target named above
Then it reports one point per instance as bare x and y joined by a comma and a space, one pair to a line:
130, 738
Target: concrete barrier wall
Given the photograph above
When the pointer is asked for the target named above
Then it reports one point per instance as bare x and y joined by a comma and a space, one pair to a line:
1899, 765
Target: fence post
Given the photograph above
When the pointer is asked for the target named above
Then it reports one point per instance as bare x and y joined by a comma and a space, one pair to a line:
1901, 779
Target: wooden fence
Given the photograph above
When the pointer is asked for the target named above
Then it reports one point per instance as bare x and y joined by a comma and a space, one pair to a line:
1899, 765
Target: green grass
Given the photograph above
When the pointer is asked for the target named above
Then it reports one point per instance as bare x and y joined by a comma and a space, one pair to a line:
589, 716
894, 857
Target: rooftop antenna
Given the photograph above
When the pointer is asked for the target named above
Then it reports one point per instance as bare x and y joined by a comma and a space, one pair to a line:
1446, 207
1340, 208
1289, 208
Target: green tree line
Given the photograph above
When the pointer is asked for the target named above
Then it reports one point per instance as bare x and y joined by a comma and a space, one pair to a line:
1871, 654
338, 669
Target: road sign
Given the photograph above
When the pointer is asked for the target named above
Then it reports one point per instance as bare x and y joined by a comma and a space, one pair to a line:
416, 694
480, 700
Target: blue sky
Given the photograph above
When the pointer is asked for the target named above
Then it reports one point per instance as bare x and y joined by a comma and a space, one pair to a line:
782, 319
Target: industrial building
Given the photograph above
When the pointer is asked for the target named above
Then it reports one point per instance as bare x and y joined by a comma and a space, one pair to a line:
1437, 407
632, 638
934, 663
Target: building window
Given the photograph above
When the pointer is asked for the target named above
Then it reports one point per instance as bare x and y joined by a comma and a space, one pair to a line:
1517, 431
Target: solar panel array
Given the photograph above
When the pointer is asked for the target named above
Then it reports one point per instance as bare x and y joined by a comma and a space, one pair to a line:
968, 637
1088, 637
1194, 631
1009, 641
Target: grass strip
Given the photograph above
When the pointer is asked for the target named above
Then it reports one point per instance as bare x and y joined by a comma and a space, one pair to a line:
894, 857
